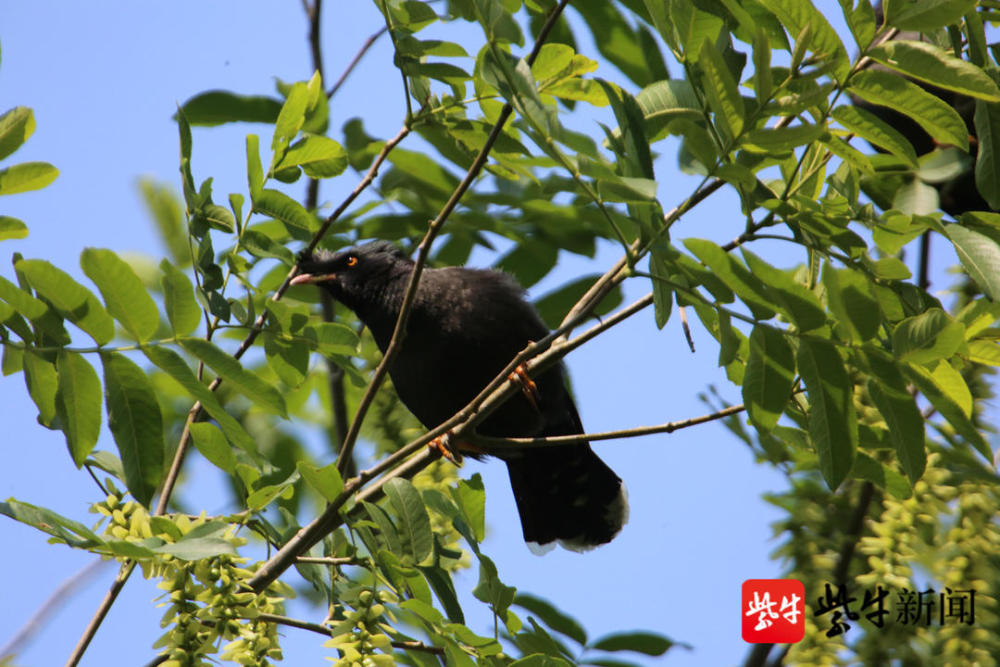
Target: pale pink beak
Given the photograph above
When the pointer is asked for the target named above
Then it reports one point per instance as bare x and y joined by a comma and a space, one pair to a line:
304, 278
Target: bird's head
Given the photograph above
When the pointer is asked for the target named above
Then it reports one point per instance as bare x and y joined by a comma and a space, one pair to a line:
355, 276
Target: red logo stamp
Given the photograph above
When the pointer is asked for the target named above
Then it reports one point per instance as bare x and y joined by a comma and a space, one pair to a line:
773, 611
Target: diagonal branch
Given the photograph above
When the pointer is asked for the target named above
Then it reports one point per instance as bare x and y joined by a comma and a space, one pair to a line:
537, 355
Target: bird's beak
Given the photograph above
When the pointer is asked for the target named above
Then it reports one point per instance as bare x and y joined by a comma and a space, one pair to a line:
304, 278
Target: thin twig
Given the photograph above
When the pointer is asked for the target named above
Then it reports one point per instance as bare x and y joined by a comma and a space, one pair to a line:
357, 58
323, 630
102, 611
423, 251
315, 13
346, 560
51, 605
490, 442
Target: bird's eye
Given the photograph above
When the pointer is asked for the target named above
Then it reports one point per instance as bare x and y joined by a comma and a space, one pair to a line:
352, 261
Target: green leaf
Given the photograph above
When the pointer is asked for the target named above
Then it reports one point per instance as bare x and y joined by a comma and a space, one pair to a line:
850, 299
213, 446
218, 217
197, 548
950, 410
173, 365
43, 384
107, 462
877, 132
984, 352
16, 126
414, 524
552, 617
123, 292
987, 127
770, 374
927, 337
898, 407
470, 496
980, 255
935, 116
627, 189
178, 299
951, 382
721, 90
491, 590
136, 423
530, 261
78, 404
12, 228
21, 300
860, 18
647, 643
928, 15
263, 496
319, 157
326, 480
261, 245
71, 532
280, 206
796, 15
215, 107
798, 303
73, 301
291, 117
255, 172
166, 210
781, 140
288, 358
735, 276
243, 380
885, 477
26, 176
663, 296
928, 63
665, 100
444, 588
637, 159
330, 338
833, 425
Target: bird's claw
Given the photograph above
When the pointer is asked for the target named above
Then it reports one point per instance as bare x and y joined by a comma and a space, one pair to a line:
443, 445
528, 387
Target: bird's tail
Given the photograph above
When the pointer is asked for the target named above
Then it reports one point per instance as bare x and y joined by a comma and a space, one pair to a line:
567, 494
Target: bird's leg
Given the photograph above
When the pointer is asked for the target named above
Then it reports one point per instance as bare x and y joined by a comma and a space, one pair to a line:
528, 388
452, 449
443, 444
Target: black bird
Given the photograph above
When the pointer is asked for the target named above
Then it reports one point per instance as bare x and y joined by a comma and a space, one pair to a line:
465, 326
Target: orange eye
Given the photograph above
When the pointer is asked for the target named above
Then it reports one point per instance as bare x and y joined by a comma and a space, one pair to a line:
352, 261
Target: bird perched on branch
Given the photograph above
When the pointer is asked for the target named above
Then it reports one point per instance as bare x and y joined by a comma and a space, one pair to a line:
465, 327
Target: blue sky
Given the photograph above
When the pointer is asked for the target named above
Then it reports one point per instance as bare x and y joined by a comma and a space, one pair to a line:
103, 80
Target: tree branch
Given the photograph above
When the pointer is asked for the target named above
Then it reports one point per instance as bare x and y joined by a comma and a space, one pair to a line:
490, 442
494, 394
323, 630
357, 58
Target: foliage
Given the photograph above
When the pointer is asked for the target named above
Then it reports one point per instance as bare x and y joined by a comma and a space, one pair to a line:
851, 372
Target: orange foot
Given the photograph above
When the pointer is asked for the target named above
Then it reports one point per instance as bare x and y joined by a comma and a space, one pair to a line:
528, 387
453, 450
